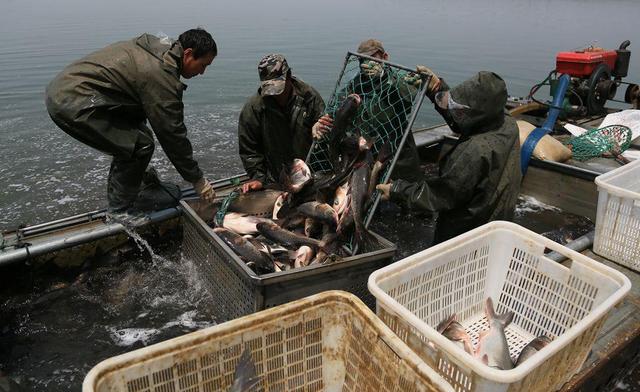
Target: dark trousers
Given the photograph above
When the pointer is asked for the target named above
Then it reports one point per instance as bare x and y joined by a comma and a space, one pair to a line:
129, 143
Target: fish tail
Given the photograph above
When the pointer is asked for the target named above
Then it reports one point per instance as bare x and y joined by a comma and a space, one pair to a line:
504, 318
366, 241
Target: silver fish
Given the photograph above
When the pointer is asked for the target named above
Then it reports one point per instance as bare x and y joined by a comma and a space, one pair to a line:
241, 224
284, 237
451, 329
296, 177
533, 347
245, 249
493, 349
304, 255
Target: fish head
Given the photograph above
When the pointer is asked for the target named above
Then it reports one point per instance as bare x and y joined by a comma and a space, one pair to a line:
277, 206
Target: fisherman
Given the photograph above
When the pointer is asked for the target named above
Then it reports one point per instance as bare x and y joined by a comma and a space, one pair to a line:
105, 99
372, 74
479, 178
275, 123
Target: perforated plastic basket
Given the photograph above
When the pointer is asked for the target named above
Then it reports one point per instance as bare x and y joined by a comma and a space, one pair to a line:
618, 219
329, 341
506, 262
238, 291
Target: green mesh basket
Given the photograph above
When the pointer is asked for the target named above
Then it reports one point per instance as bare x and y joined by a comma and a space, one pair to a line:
607, 141
390, 102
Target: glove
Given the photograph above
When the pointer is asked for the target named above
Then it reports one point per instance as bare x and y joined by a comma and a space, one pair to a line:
372, 69
434, 82
204, 189
385, 190
253, 185
322, 126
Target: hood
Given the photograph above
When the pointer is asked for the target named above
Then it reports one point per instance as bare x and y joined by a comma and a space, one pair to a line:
164, 49
486, 95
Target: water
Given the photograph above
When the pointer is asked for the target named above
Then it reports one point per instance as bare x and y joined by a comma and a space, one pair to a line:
54, 330
45, 174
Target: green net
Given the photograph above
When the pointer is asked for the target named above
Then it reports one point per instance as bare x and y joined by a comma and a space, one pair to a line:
390, 93
609, 141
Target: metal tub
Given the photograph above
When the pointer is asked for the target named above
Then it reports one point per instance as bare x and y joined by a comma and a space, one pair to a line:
238, 291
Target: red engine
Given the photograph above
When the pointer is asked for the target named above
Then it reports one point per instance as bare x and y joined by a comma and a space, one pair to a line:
595, 75
582, 63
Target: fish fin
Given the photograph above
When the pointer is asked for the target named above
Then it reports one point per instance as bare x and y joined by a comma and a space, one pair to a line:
245, 377
366, 241
489, 310
442, 326
485, 359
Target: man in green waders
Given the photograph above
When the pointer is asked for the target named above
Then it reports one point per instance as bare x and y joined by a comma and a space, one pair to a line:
105, 99
275, 124
479, 178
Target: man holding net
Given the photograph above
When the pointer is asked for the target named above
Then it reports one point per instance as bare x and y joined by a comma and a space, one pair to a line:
275, 124
389, 93
479, 178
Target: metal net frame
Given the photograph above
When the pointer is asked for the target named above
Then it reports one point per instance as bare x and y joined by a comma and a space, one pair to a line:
390, 103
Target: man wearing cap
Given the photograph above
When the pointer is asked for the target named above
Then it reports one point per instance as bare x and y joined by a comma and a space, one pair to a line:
275, 124
105, 99
373, 74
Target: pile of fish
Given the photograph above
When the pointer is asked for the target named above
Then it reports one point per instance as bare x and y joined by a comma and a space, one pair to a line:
492, 348
312, 215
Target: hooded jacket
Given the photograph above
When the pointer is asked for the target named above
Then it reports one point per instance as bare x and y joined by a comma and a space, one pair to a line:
270, 137
103, 98
479, 178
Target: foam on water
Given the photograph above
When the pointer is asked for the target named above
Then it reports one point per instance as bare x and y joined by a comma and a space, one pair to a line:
129, 336
529, 204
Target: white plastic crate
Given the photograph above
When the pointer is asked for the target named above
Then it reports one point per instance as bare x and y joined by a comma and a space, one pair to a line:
618, 220
506, 262
329, 341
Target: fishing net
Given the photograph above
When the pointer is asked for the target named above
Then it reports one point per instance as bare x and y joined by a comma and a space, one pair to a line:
391, 95
608, 141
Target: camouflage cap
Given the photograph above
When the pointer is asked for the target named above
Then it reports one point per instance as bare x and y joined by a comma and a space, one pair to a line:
273, 70
370, 47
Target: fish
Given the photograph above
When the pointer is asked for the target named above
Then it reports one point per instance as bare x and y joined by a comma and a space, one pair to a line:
343, 118
243, 248
321, 212
312, 228
533, 347
493, 349
383, 157
359, 186
256, 202
284, 237
241, 223
304, 255
279, 203
296, 176
245, 377
340, 198
454, 331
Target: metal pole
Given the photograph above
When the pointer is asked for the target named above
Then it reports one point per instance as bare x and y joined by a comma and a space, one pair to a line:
579, 244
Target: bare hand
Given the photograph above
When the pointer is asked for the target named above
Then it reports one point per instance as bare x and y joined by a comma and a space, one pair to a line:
322, 126
253, 185
385, 190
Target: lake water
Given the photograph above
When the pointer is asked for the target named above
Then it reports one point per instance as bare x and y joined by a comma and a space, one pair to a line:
45, 174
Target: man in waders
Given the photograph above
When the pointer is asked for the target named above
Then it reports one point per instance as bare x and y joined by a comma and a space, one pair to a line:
479, 178
275, 123
105, 99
